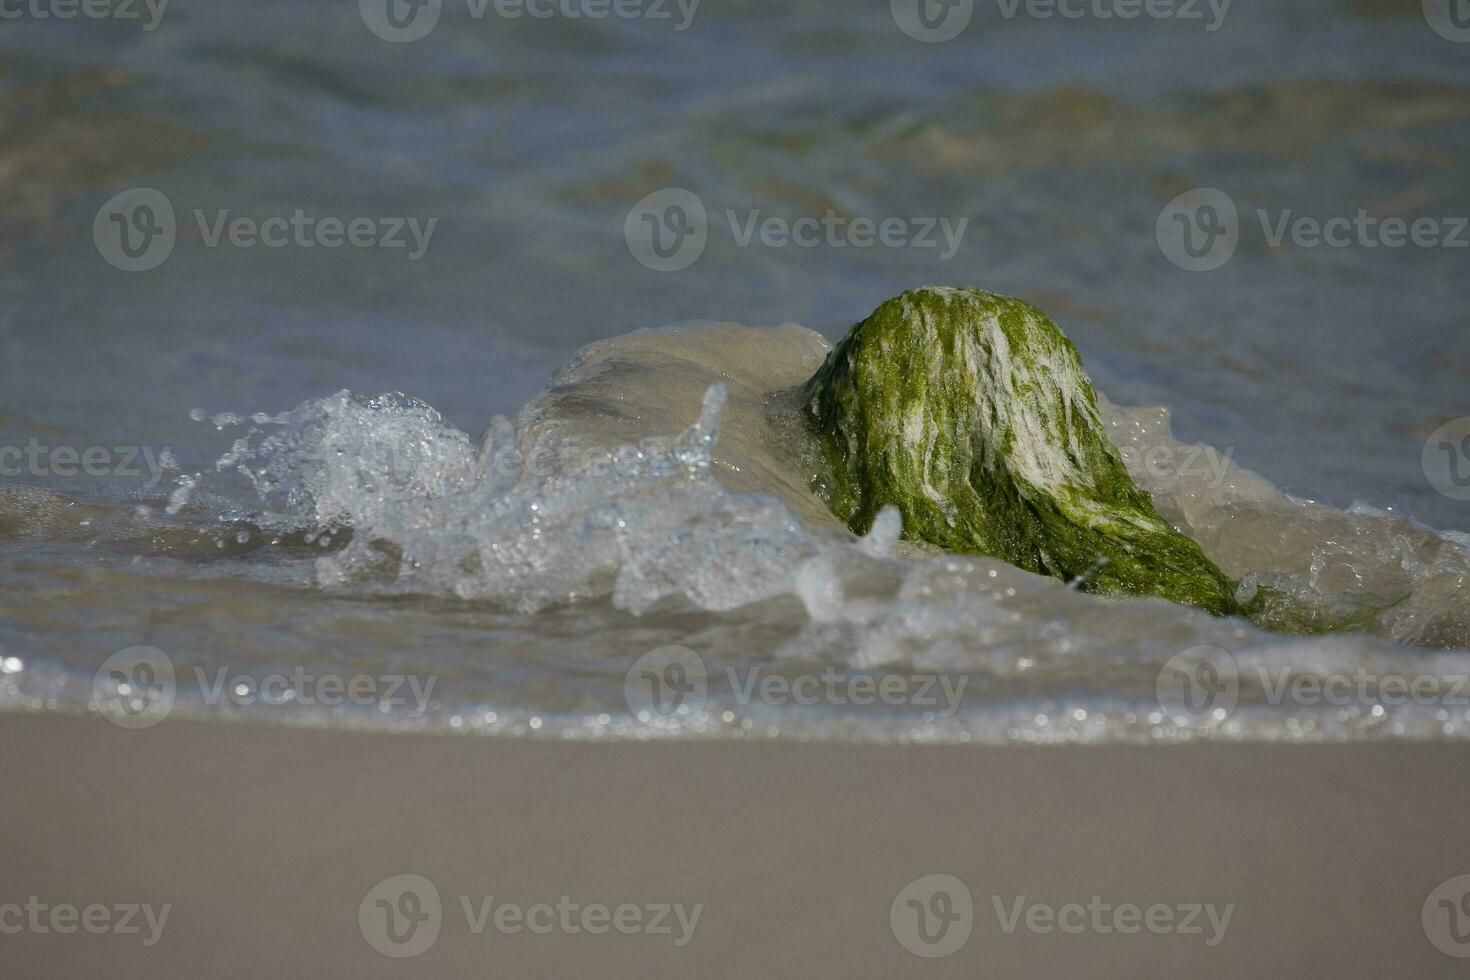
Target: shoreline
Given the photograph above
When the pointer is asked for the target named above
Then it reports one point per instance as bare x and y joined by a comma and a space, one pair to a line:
267, 842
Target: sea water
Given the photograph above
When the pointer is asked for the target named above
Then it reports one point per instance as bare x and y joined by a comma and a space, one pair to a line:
467, 484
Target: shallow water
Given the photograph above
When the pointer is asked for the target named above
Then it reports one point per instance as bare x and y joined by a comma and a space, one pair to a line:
524, 575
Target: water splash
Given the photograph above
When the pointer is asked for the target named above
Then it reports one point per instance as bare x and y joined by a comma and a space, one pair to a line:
556, 508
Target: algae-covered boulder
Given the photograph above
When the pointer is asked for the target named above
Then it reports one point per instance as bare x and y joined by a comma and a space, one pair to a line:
971, 413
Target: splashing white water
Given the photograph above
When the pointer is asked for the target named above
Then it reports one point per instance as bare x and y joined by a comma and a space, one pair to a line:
429, 513
579, 499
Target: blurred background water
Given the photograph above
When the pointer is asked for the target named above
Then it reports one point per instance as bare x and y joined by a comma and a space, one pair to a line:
528, 141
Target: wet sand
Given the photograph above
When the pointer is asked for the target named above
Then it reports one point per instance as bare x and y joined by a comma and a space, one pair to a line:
265, 842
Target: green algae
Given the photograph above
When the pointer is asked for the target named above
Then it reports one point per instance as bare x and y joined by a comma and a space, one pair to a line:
971, 413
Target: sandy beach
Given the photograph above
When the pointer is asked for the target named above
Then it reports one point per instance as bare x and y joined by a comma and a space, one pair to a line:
766, 859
